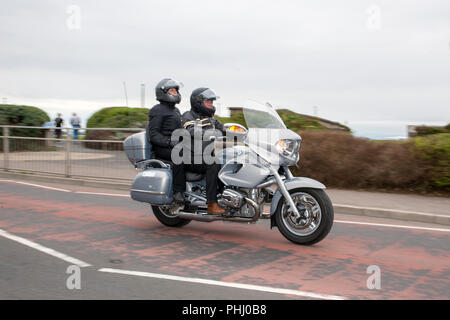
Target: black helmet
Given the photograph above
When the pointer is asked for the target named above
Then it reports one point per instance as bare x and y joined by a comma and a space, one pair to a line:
198, 97
163, 86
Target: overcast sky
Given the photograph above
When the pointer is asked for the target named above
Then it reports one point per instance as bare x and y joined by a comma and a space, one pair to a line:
367, 63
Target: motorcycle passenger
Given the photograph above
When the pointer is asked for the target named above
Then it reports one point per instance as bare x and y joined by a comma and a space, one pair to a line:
201, 117
164, 118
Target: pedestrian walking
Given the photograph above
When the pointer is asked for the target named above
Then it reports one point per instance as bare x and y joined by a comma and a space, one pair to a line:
58, 124
75, 121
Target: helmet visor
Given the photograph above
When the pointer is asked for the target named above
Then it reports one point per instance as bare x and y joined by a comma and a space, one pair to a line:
170, 83
209, 94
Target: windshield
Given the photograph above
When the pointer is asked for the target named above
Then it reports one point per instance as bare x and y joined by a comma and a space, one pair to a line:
258, 115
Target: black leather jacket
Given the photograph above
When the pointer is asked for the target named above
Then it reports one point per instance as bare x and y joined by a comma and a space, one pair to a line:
163, 120
189, 122
195, 121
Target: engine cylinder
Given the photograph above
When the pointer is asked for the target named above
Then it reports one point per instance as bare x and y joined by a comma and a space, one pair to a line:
233, 198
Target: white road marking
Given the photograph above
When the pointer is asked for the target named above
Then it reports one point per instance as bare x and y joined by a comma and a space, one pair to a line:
65, 190
104, 194
391, 225
46, 250
224, 284
36, 185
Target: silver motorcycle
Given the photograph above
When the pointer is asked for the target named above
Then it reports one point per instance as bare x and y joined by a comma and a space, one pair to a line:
255, 173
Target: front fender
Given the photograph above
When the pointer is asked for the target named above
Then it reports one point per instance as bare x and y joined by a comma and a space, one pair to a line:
294, 183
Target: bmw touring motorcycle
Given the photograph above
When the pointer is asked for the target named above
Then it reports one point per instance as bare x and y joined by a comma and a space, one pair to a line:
255, 172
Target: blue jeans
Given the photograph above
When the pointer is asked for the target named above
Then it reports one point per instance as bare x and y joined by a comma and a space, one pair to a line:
75, 131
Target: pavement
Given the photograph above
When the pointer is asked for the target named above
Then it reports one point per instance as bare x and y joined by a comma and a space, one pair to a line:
406, 207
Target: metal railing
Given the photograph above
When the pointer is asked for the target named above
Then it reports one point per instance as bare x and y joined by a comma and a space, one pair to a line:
28, 149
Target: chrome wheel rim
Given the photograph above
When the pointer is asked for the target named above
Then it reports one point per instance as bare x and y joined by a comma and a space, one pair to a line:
170, 211
310, 214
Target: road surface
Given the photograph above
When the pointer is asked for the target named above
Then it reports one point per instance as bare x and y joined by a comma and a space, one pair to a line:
123, 252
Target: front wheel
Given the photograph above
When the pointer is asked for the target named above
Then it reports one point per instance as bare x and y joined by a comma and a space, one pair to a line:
164, 215
316, 216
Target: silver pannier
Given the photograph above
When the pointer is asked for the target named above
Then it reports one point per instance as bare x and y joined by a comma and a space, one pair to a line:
137, 147
154, 184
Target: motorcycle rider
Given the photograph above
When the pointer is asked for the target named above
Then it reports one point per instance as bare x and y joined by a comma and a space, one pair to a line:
201, 117
164, 118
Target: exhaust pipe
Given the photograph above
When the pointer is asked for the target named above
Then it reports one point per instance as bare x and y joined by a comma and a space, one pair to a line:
211, 218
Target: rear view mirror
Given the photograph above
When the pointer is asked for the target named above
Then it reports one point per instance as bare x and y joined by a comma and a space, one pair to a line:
235, 132
235, 129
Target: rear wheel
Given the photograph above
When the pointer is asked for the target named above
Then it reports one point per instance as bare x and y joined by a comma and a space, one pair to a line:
316, 216
165, 215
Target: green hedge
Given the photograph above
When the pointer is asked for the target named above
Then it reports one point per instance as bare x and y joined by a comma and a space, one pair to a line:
434, 151
114, 117
20, 115
340, 160
292, 120
119, 117
428, 130
235, 118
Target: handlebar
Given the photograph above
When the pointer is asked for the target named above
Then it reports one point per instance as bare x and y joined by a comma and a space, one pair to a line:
213, 138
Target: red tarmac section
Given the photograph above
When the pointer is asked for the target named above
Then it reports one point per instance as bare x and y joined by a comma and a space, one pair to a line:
117, 232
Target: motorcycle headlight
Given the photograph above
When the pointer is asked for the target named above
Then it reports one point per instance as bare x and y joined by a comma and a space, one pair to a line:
288, 148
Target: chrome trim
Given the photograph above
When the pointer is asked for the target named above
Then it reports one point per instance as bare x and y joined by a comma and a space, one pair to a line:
191, 194
288, 172
232, 198
211, 218
284, 191
149, 192
268, 182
